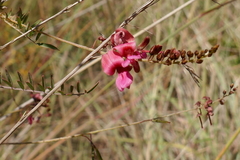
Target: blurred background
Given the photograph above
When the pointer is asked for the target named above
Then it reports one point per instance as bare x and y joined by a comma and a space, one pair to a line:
156, 91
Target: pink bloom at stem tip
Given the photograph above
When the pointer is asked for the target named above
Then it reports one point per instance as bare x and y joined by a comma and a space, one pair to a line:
122, 58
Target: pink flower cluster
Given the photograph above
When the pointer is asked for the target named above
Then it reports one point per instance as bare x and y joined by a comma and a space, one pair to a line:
123, 57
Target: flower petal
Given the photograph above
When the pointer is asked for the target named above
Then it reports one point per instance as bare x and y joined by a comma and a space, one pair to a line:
124, 50
126, 63
124, 80
110, 62
121, 36
136, 66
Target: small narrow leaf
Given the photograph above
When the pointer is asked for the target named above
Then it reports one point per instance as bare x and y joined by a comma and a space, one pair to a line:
62, 87
36, 23
9, 78
43, 83
28, 27
41, 87
24, 18
30, 78
38, 36
78, 87
0, 77
97, 152
71, 88
20, 77
92, 88
20, 83
9, 84
62, 93
47, 45
6, 15
19, 22
30, 85
52, 83
19, 13
159, 120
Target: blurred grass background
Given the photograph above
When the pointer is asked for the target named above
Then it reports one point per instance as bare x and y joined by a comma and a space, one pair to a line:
156, 91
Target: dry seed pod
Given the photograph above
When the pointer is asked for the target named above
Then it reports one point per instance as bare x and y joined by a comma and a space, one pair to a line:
199, 61
168, 62
166, 53
189, 54
184, 61
183, 53
199, 56
202, 53
215, 48
155, 49
160, 56
224, 92
174, 54
196, 53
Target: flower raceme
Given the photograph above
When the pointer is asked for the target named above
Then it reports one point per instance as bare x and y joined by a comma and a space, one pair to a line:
123, 57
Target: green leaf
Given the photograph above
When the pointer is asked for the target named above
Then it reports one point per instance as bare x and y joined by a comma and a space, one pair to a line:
92, 88
19, 23
36, 23
62, 88
159, 120
52, 83
9, 78
97, 152
6, 15
30, 85
30, 78
78, 87
62, 93
0, 77
20, 83
43, 83
28, 27
24, 18
19, 13
38, 36
9, 84
41, 87
46, 45
20, 77
71, 88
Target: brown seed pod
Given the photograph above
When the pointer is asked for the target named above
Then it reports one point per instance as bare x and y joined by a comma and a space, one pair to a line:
160, 56
199, 61
189, 54
183, 53
184, 61
196, 53
155, 49
168, 62
166, 53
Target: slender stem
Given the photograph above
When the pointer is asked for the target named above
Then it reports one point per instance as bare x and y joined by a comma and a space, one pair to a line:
230, 141
41, 23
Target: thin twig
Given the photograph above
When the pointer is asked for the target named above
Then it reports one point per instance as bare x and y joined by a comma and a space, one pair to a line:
82, 134
41, 23
163, 18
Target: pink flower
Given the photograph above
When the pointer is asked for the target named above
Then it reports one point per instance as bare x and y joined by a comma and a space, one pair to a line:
112, 63
122, 58
121, 36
